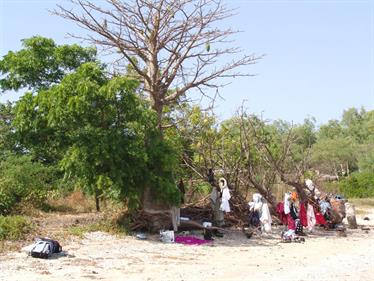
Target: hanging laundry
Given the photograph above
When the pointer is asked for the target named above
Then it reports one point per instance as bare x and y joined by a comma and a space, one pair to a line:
319, 218
257, 200
225, 206
312, 188
287, 199
303, 215
280, 211
311, 217
265, 218
324, 206
290, 222
294, 212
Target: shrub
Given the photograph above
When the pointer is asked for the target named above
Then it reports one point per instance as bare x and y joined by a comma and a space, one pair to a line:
14, 227
23, 181
358, 185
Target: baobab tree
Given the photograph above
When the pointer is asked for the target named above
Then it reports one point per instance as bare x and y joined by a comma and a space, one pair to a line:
173, 46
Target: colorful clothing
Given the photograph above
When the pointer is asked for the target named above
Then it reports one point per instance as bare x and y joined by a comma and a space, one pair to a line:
303, 215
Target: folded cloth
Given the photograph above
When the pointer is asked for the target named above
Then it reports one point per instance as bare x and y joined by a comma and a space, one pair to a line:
190, 240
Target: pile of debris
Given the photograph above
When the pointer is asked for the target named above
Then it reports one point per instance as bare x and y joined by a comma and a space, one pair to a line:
153, 221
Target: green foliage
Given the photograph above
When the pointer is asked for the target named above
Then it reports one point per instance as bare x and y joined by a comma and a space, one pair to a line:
330, 155
358, 185
331, 130
23, 181
14, 227
41, 63
7, 139
366, 158
100, 132
347, 144
163, 161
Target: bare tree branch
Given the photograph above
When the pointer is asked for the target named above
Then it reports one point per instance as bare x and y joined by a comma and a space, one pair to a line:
176, 43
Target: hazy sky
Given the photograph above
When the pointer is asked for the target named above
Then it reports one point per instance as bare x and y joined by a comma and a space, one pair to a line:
319, 54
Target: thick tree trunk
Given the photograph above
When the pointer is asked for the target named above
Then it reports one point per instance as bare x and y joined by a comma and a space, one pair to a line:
97, 200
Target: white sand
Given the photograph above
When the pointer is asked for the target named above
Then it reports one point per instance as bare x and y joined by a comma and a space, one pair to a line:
324, 256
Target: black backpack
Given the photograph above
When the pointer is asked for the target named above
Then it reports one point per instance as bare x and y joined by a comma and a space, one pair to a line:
45, 247
55, 246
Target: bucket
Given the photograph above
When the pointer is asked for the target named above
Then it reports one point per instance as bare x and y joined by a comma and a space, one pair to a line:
167, 236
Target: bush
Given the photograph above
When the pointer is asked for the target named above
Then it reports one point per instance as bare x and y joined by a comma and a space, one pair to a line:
358, 185
23, 181
14, 227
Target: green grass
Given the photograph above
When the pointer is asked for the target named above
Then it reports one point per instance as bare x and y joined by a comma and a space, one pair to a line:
14, 227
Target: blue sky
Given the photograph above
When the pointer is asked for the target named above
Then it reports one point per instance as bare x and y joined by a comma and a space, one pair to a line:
319, 54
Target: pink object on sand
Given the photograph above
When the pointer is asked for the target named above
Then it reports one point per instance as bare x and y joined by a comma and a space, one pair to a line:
189, 240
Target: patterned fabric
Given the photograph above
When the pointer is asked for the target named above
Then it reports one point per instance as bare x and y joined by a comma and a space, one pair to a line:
299, 227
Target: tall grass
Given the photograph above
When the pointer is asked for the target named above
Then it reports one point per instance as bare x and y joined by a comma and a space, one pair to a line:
14, 227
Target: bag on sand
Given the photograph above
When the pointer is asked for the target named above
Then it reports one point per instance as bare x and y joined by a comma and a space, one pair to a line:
42, 250
55, 246
45, 247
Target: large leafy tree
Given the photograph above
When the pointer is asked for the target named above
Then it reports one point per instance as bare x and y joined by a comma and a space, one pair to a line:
104, 132
41, 63
173, 46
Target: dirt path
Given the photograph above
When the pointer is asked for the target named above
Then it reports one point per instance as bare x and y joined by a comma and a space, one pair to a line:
100, 256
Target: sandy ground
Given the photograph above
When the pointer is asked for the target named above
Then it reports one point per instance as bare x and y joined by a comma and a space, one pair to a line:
99, 256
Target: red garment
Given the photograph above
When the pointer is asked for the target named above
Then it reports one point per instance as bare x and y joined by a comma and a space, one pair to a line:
302, 215
280, 211
319, 218
290, 222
